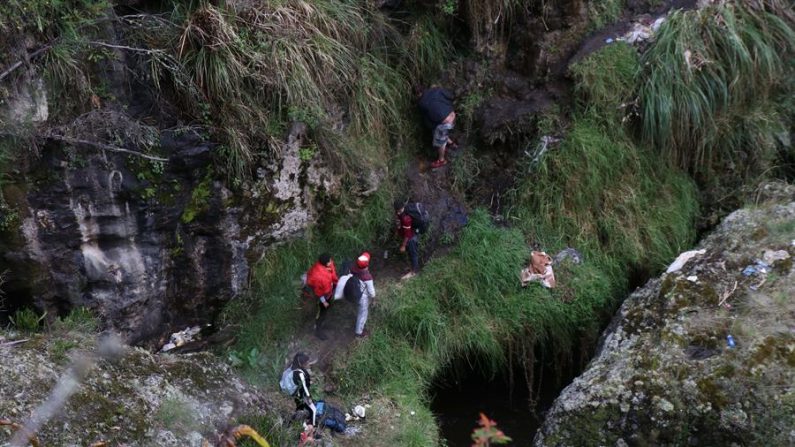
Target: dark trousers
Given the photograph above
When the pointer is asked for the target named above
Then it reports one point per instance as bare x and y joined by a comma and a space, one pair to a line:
321, 313
413, 249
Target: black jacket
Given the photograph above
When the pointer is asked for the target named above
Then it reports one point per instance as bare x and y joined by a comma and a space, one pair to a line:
435, 104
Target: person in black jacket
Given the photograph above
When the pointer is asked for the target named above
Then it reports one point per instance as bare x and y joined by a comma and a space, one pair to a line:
436, 105
301, 378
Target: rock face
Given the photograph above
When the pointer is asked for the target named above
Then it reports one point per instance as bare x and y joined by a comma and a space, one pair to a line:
149, 244
666, 372
139, 400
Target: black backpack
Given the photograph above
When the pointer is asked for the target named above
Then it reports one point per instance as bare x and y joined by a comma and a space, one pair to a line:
353, 289
330, 417
420, 218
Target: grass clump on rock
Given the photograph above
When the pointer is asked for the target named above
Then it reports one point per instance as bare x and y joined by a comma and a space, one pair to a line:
713, 81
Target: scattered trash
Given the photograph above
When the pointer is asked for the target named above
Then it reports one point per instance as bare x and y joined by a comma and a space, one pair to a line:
230, 438
657, 24
682, 259
758, 268
692, 278
540, 270
386, 254
543, 145
180, 338
638, 33
726, 296
356, 414
609, 40
568, 253
730, 341
771, 257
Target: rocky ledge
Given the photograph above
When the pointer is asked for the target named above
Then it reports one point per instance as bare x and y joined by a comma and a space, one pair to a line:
705, 354
138, 399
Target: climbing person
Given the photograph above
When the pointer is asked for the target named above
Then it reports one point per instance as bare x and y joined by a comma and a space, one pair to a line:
436, 105
321, 278
366, 291
296, 381
410, 241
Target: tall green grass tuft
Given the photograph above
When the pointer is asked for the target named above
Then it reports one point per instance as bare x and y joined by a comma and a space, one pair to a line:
706, 80
606, 80
616, 199
245, 70
427, 50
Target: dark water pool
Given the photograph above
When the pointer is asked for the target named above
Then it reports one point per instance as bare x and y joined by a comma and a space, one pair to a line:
458, 403
460, 393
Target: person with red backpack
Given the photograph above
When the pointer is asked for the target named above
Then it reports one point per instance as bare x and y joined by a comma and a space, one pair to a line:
405, 229
362, 281
321, 279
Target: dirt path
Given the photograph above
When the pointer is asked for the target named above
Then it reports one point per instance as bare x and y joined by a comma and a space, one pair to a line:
448, 216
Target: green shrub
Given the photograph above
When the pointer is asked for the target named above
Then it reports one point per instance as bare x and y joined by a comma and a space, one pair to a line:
79, 319
604, 12
606, 80
27, 320
707, 79
59, 348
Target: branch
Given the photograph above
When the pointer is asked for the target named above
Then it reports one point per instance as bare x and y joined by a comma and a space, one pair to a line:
123, 47
18, 64
104, 146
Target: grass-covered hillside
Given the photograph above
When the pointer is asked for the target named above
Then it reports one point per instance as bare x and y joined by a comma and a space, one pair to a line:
617, 188
649, 139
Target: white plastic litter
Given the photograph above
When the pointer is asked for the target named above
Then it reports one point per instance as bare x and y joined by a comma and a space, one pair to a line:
771, 257
180, 338
682, 259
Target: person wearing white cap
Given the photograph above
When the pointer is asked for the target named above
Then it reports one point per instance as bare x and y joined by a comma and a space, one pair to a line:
361, 270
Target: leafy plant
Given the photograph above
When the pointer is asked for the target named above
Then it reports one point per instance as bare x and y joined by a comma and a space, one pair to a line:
307, 153
449, 7
198, 200
79, 319
604, 12
60, 347
488, 434
249, 359
27, 320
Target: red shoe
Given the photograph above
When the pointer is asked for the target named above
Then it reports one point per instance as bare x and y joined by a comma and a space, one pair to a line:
438, 164
365, 333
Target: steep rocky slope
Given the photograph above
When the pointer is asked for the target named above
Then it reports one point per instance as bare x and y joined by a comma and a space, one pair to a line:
139, 399
666, 373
